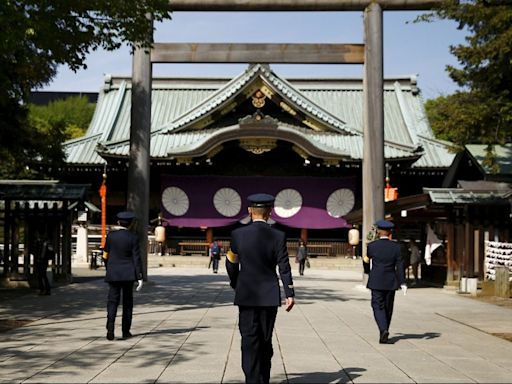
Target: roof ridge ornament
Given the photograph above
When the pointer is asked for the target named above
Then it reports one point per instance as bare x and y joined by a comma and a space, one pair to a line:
258, 119
258, 99
259, 67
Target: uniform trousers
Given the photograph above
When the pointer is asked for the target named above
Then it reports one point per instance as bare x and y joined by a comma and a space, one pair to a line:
42, 278
382, 304
256, 325
114, 298
215, 264
302, 265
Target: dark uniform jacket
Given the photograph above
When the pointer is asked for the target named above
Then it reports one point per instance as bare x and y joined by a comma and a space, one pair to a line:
387, 272
260, 248
44, 253
124, 261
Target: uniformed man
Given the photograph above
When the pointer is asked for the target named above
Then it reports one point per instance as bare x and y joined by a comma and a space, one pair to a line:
124, 267
44, 253
256, 250
386, 275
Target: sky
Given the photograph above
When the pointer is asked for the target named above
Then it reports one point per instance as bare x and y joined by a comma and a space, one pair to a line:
420, 49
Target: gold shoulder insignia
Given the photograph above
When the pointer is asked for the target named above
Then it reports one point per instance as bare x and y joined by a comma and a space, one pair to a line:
366, 259
232, 257
105, 255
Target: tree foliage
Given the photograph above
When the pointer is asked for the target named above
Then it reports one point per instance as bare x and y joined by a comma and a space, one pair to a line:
73, 113
39, 35
482, 111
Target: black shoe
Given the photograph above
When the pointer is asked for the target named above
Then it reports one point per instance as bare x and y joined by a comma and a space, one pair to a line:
110, 335
127, 335
384, 337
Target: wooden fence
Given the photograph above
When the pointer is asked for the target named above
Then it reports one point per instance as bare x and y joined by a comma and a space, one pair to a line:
325, 248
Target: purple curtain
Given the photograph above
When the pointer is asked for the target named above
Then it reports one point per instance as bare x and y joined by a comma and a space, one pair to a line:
216, 201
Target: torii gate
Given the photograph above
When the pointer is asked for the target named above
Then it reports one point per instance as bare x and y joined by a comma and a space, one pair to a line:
370, 54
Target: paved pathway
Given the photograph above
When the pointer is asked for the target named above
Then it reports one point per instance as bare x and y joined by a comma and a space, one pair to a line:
185, 331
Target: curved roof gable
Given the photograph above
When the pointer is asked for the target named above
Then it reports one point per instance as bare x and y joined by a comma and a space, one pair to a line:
188, 116
258, 76
193, 143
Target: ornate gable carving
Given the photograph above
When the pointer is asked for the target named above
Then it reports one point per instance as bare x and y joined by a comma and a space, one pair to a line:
256, 120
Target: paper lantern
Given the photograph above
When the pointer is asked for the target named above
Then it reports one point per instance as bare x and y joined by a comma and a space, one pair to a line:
160, 234
353, 237
390, 194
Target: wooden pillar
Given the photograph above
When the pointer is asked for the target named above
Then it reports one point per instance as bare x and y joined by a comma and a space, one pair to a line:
7, 236
468, 246
491, 232
67, 220
481, 253
59, 256
27, 243
459, 248
373, 129
450, 252
209, 235
471, 250
139, 160
15, 245
304, 234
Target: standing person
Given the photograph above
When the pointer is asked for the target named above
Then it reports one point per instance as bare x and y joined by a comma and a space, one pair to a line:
386, 276
302, 256
215, 251
256, 250
44, 253
124, 266
415, 260
406, 257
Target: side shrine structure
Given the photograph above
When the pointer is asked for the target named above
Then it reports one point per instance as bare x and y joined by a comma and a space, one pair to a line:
33, 211
214, 141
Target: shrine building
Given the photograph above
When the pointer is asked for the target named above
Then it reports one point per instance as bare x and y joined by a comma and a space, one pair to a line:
214, 141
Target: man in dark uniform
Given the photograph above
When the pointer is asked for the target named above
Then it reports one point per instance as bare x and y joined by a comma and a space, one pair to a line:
124, 266
256, 250
386, 276
44, 253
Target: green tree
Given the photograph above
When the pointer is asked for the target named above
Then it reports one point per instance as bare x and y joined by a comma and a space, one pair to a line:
40, 141
74, 113
482, 111
39, 35
45, 128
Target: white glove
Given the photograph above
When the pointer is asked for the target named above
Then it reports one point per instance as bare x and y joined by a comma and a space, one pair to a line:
139, 285
403, 287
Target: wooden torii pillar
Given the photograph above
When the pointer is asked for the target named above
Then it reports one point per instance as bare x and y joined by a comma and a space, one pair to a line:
139, 159
373, 152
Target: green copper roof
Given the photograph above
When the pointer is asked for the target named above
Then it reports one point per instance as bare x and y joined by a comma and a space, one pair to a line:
42, 190
503, 156
462, 196
183, 111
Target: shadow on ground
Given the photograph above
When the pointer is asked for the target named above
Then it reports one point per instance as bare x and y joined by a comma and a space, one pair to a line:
406, 336
346, 375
